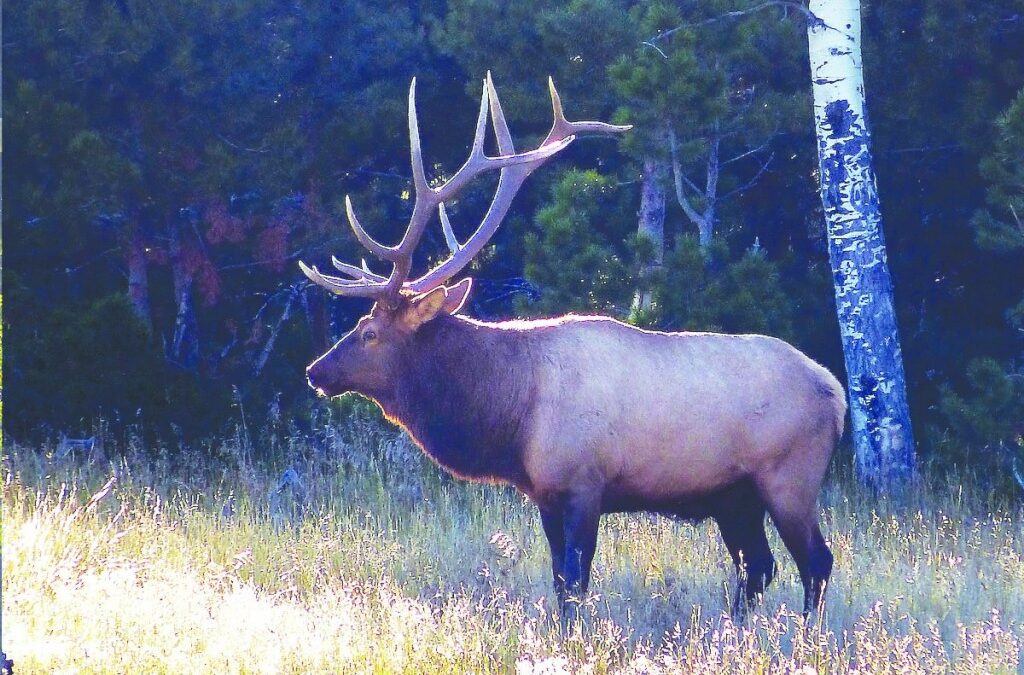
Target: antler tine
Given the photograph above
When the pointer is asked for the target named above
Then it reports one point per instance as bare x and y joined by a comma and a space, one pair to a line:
419, 174
339, 286
501, 132
477, 151
511, 179
375, 247
358, 273
446, 227
562, 127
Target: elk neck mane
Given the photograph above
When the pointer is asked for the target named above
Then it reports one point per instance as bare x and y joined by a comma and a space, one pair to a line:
466, 394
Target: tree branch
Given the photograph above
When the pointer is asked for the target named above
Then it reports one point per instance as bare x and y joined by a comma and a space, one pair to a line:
748, 153
257, 263
262, 150
261, 361
923, 148
746, 186
739, 12
677, 180
1020, 225
655, 47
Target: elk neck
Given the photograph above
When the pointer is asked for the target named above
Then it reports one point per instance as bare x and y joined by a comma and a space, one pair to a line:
465, 397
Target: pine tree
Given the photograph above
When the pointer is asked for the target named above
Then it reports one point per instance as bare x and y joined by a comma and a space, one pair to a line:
573, 263
710, 95
989, 412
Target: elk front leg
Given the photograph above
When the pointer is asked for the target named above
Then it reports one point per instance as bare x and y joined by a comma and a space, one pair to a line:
553, 522
580, 516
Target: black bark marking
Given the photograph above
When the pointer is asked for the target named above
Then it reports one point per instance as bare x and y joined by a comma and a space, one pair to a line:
840, 118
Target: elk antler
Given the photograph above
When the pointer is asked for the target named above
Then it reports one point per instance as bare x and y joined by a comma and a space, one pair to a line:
514, 169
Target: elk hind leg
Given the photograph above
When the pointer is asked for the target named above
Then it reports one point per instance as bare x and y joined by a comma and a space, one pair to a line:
802, 535
790, 491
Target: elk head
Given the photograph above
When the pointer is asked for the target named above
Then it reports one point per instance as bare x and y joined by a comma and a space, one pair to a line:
368, 359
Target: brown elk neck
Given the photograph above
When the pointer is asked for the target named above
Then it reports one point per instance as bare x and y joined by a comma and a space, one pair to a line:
465, 396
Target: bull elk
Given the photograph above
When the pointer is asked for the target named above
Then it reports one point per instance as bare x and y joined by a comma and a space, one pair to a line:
584, 414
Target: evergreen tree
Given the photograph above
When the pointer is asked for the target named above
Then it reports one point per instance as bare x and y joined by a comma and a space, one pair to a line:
711, 96
701, 289
576, 266
990, 413
166, 164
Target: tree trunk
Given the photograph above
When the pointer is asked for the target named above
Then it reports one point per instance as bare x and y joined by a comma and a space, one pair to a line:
268, 348
652, 223
138, 278
706, 226
317, 320
705, 219
882, 436
184, 348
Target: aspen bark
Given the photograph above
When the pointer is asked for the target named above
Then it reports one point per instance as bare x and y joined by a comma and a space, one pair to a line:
882, 436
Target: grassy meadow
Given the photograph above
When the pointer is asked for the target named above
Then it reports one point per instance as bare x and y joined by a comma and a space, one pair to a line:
365, 558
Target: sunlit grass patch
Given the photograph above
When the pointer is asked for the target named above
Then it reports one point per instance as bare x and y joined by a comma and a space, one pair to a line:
387, 566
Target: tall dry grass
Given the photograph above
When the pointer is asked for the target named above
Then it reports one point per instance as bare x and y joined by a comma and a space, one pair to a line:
367, 559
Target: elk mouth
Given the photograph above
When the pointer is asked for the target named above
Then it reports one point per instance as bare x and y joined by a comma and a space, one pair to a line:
322, 389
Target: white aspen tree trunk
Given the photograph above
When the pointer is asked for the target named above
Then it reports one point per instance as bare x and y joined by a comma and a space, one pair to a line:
882, 436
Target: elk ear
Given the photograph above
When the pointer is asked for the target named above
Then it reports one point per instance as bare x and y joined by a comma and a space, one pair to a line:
457, 295
423, 308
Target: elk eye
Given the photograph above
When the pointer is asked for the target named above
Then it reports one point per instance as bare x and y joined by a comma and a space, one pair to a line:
369, 335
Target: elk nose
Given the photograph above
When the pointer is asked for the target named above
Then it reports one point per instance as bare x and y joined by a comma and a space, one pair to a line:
319, 378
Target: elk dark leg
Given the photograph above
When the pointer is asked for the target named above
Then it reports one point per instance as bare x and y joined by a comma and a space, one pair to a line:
742, 527
812, 555
554, 529
580, 522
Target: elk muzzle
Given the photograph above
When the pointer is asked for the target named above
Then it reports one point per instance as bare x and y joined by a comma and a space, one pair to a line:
321, 376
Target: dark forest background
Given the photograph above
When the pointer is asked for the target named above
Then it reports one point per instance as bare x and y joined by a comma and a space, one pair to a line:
167, 164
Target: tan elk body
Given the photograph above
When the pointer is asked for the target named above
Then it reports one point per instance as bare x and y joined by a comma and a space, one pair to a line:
587, 415
660, 417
